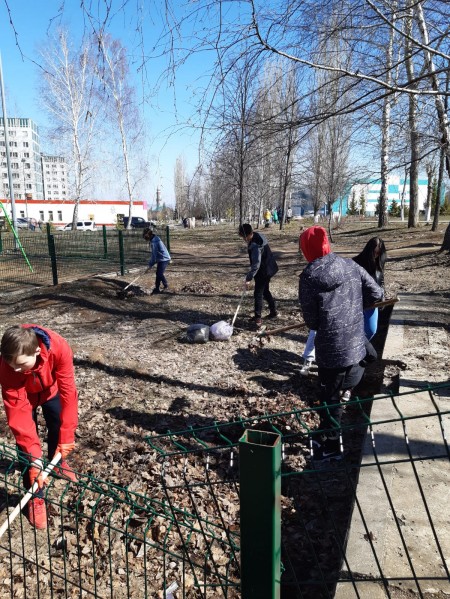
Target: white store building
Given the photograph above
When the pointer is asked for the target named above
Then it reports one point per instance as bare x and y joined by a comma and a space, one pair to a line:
102, 212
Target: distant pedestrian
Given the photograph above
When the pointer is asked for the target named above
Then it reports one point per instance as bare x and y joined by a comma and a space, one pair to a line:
275, 216
263, 267
159, 256
289, 215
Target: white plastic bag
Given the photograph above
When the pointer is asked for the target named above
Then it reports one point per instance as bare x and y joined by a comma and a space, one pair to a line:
220, 331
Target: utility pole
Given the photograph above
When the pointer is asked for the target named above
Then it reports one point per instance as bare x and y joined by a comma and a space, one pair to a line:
8, 159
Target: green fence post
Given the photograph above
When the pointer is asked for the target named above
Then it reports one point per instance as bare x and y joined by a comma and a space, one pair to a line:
121, 253
260, 509
52, 252
168, 238
105, 242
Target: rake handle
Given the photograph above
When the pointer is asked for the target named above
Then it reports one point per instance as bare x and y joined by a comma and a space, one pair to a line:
238, 306
387, 302
136, 279
28, 495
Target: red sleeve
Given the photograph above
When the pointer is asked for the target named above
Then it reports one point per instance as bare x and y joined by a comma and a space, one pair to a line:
19, 414
65, 377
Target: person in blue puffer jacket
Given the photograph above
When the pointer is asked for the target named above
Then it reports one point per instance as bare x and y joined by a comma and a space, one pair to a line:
159, 256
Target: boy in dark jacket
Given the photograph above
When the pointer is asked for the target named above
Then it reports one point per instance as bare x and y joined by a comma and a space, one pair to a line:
36, 369
263, 267
333, 293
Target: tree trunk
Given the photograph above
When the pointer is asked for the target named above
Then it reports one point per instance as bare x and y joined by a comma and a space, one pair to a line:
413, 218
386, 136
446, 243
438, 191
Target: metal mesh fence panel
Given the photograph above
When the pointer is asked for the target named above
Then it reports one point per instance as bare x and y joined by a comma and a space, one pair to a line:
371, 524
65, 255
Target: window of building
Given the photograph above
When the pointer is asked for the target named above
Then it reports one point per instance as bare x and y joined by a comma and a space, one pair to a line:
26, 154
29, 186
22, 214
27, 165
14, 165
15, 175
60, 216
25, 144
50, 215
16, 185
13, 144
41, 215
63, 193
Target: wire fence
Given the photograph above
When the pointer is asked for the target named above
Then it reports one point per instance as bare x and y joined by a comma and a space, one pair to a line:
58, 256
375, 521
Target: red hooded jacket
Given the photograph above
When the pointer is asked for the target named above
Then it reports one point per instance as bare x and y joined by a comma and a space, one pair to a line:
24, 391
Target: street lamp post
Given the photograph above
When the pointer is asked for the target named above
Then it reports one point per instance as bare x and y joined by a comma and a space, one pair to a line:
25, 188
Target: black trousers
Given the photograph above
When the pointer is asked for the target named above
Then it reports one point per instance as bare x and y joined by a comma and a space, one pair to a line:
332, 382
51, 411
262, 290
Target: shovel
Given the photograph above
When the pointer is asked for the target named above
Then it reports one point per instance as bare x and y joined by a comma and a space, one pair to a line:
28, 495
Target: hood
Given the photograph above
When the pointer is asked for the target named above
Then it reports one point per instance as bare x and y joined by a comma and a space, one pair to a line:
314, 243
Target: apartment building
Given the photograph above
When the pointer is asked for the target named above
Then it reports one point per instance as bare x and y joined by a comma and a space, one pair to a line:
54, 174
25, 157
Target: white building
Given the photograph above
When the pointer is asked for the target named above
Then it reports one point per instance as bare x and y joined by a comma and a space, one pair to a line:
25, 156
54, 174
102, 212
398, 187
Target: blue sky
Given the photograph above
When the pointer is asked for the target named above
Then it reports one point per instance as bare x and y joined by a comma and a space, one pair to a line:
34, 20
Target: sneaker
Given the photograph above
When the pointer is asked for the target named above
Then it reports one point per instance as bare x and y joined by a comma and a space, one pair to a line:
37, 512
327, 451
272, 314
155, 291
306, 367
65, 471
346, 395
257, 320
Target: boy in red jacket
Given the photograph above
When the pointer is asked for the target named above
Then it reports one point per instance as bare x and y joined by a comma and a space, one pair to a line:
36, 369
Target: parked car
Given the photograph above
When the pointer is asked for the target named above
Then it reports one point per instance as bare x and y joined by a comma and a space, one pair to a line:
23, 223
137, 222
82, 225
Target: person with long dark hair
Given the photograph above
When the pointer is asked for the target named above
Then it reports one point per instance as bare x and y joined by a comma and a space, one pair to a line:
372, 258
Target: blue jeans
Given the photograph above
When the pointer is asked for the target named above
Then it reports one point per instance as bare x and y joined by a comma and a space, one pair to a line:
370, 322
309, 353
160, 278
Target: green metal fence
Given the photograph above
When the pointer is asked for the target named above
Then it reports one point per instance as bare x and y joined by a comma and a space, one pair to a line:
375, 522
57, 256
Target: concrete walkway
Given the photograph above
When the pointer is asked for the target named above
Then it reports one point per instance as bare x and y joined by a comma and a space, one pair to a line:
401, 518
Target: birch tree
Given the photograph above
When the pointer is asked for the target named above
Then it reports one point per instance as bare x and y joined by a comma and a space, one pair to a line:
67, 92
121, 111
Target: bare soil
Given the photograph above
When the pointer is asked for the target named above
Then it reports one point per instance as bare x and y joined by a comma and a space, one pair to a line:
138, 376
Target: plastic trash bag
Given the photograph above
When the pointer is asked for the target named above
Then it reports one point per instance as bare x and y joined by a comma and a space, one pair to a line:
221, 331
197, 333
